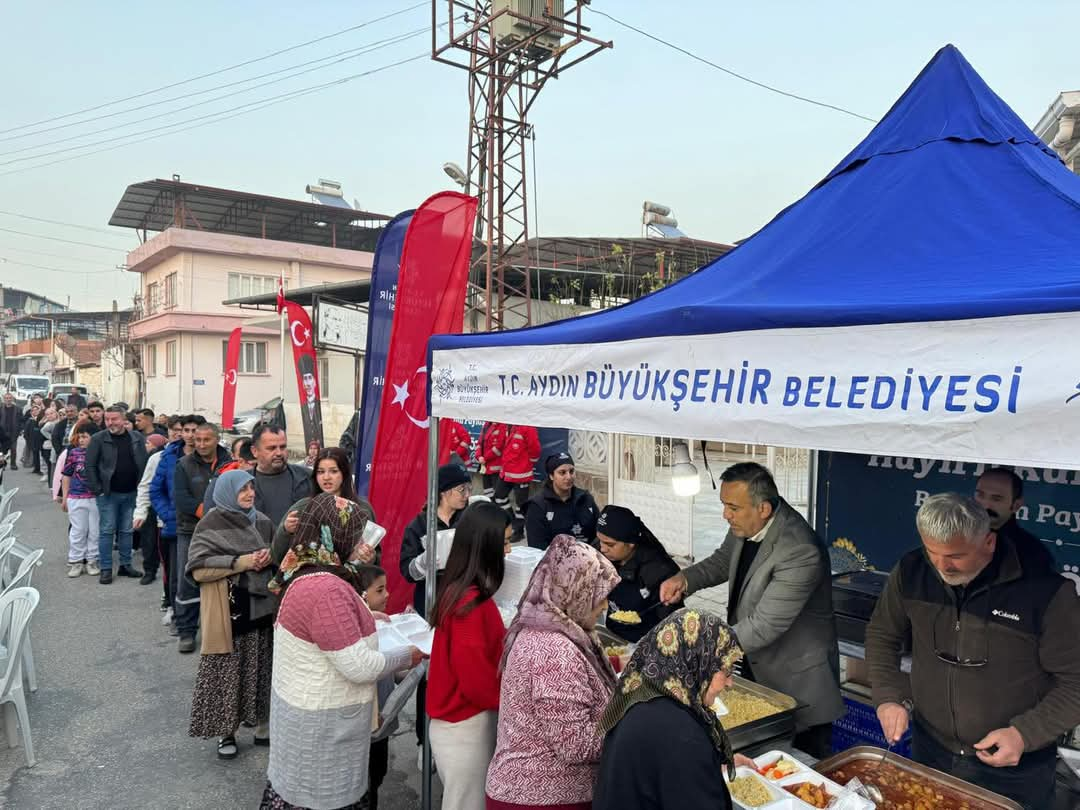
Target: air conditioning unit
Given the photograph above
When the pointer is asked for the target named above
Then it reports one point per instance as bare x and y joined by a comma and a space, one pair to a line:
508, 30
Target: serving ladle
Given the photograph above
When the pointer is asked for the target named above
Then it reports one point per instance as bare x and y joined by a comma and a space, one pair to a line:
872, 790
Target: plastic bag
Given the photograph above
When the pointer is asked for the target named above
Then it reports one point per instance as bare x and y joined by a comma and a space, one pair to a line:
854, 796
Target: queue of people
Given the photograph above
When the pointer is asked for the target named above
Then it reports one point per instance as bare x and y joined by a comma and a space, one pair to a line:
266, 560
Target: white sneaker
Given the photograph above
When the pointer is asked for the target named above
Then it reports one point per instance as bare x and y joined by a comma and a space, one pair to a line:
166, 617
44, 478
75, 570
92, 568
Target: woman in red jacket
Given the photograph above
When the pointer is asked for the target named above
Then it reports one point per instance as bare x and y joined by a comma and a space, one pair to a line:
463, 676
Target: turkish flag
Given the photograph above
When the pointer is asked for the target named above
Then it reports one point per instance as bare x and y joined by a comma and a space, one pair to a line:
228, 390
430, 300
307, 371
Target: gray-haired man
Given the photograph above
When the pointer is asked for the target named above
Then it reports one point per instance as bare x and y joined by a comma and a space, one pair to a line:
995, 661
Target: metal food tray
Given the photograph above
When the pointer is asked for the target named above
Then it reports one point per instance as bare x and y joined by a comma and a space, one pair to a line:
781, 724
974, 793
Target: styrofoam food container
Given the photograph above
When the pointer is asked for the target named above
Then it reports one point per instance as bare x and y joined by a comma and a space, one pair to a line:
422, 639
781, 800
409, 625
390, 638
770, 757
852, 802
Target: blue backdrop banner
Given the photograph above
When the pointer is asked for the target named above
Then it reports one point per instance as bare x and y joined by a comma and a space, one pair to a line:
384, 279
867, 504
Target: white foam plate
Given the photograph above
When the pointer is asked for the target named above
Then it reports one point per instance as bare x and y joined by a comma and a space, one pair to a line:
781, 800
852, 801
422, 640
770, 757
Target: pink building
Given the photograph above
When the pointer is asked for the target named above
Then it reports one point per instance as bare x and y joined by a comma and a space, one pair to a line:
213, 245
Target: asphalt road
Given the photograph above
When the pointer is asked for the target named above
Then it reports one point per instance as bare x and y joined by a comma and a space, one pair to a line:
110, 717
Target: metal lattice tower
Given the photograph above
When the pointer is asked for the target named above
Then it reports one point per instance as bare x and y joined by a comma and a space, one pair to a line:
510, 48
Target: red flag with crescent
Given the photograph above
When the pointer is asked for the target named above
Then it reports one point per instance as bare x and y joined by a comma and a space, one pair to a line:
430, 300
228, 390
307, 371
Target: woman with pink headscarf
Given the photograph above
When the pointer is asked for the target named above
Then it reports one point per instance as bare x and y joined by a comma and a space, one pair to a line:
556, 681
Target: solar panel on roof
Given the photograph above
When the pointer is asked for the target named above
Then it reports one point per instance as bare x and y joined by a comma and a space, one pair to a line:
328, 199
667, 231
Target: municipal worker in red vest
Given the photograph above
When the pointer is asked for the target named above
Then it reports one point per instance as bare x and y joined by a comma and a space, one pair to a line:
520, 454
489, 454
454, 438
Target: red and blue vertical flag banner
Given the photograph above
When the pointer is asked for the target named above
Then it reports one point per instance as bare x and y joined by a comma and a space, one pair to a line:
228, 390
307, 371
384, 283
430, 300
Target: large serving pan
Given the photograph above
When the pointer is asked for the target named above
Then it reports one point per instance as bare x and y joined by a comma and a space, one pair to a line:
982, 796
781, 724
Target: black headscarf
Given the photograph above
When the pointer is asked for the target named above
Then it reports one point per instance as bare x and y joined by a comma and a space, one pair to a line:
620, 523
678, 659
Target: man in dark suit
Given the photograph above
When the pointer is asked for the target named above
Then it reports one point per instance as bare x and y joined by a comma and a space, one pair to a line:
779, 600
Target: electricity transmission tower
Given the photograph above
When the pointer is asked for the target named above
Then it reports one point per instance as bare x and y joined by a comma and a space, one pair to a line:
510, 48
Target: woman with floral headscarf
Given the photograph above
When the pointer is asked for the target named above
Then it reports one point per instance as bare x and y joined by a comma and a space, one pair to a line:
665, 749
556, 681
326, 665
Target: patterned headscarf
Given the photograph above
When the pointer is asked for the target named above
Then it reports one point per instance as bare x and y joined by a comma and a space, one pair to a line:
678, 659
567, 586
329, 530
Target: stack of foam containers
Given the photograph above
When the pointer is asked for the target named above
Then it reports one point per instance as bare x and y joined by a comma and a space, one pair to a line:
520, 564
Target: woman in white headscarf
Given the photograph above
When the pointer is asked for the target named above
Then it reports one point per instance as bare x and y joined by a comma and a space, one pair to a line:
230, 559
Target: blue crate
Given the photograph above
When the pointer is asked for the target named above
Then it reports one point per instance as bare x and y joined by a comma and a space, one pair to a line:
860, 726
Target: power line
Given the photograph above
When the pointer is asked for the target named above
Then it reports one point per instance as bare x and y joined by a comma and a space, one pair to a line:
218, 71
351, 53
264, 103
732, 73
66, 224
96, 262
6, 260
65, 241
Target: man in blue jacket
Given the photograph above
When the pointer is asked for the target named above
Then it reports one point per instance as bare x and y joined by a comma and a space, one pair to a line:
161, 496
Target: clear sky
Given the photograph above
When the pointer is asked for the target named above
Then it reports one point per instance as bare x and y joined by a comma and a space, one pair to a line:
637, 122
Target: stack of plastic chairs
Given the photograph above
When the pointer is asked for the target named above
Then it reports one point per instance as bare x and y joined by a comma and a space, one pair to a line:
17, 606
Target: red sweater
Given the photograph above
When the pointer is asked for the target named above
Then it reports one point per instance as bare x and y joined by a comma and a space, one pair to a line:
463, 674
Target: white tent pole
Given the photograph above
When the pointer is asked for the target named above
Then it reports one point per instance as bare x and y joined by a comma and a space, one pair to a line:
429, 584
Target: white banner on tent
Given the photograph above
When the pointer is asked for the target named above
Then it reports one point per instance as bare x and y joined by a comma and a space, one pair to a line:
1001, 390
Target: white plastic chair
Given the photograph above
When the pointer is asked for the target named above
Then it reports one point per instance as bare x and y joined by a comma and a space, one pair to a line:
22, 580
11, 518
16, 608
5, 501
19, 552
7, 543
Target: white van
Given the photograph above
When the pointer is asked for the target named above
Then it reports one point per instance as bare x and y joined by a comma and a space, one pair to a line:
24, 386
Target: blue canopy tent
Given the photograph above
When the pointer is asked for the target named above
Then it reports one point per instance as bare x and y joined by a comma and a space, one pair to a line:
921, 300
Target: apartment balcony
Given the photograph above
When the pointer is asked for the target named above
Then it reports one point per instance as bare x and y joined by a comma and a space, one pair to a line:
29, 348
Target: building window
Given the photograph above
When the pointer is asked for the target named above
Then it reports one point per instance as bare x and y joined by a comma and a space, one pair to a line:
150, 362
324, 377
170, 358
170, 291
252, 357
244, 284
153, 298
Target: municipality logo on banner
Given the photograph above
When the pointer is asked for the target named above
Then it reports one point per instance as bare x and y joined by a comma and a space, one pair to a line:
470, 390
